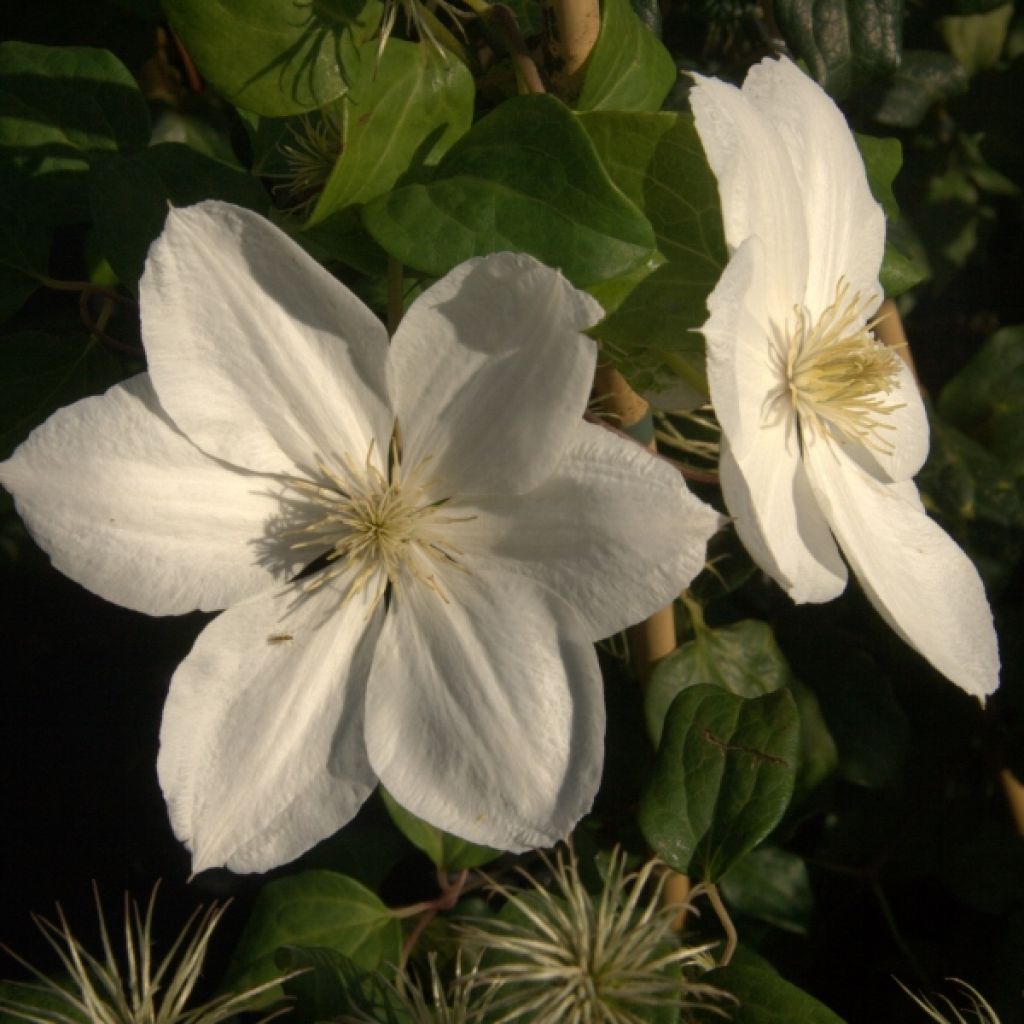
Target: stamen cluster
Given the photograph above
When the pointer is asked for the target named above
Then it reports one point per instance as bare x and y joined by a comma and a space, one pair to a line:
382, 528
838, 376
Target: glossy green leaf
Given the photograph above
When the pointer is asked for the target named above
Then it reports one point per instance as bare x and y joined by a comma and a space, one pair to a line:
657, 160
845, 43
403, 115
977, 497
40, 372
722, 780
771, 884
742, 658
315, 908
130, 197
524, 178
986, 399
447, 851
278, 57
764, 997
629, 68
58, 106
924, 78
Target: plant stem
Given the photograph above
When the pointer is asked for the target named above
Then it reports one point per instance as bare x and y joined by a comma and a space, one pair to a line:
731, 937
503, 19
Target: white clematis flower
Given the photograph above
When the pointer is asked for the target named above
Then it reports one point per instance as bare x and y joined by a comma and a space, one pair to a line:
459, 534
823, 426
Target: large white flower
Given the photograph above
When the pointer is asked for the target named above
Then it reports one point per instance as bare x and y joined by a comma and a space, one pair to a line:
823, 426
416, 544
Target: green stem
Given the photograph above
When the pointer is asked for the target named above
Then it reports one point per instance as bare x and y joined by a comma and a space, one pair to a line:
731, 936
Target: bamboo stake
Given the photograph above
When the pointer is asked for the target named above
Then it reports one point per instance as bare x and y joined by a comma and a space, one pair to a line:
578, 23
655, 637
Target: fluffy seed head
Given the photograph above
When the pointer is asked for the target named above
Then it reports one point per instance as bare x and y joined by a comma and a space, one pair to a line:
567, 958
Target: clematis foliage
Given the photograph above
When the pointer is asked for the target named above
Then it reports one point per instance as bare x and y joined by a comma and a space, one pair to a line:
525, 499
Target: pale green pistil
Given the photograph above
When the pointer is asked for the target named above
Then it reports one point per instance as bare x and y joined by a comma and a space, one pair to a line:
839, 378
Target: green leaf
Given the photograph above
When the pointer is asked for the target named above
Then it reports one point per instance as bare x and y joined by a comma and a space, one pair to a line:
978, 498
41, 372
343, 237
628, 69
278, 57
772, 885
986, 399
765, 997
331, 984
446, 851
24, 255
316, 908
977, 40
899, 272
742, 658
845, 43
130, 197
883, 158
868, 726
197, 133
924, 78
58, 106
402, 115
722, 780
33, 998
658, 162
524, 178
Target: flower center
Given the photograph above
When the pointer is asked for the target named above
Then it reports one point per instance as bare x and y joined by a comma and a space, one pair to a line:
838, 376
382, 528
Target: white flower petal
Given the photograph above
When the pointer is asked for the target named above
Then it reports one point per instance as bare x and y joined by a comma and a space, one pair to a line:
779, 521
907, 432
261, 746
922, 584
845, 227
258, 354
489, 373
613, 531
744, 372
485, 716
127, 506
756, 183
